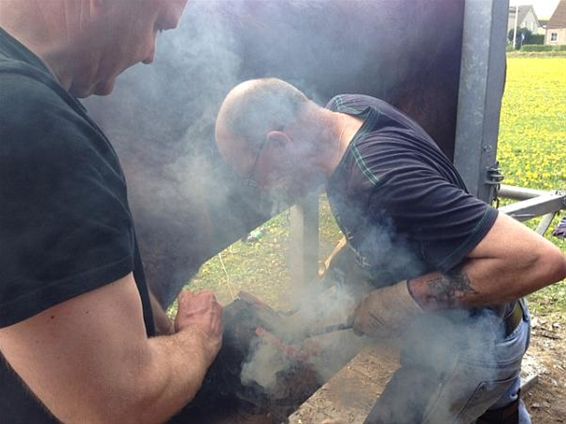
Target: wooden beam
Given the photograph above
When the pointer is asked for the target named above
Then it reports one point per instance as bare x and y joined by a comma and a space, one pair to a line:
349, 396
303, 246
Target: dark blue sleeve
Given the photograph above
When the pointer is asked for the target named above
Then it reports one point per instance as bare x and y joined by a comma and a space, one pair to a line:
444, 220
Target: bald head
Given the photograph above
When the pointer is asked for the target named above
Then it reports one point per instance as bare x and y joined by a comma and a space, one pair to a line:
279, 140
249, 112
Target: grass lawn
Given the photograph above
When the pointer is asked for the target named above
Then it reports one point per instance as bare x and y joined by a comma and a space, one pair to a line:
532, 153
532, 141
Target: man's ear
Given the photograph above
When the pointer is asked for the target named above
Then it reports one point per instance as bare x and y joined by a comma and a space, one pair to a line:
278, 138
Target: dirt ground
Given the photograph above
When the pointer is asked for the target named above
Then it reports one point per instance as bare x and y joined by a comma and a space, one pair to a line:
546, 401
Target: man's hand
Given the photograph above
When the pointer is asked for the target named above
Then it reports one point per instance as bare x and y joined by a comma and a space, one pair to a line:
201, 312
386, 311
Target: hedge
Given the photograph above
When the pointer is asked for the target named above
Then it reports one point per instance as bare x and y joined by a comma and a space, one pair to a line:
539, 48
536, 39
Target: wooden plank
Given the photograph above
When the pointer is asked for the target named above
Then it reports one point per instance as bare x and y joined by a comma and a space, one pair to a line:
530, 370
351, 393
349, 396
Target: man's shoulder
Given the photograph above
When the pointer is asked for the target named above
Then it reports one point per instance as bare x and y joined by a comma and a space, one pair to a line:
385, 115
348, 103
36, 112
25, 87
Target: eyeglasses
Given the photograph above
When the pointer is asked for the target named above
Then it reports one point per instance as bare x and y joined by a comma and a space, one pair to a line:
249, 180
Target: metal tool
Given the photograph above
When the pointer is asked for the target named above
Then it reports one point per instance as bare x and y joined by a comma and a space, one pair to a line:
329, 329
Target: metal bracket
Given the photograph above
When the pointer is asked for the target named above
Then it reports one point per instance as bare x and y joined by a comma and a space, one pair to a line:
493, 180
536, 206
545, 223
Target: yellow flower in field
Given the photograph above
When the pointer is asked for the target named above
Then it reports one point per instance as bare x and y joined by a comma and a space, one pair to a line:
533, 123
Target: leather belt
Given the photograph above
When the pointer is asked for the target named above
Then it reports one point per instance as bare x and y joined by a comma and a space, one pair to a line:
513, 319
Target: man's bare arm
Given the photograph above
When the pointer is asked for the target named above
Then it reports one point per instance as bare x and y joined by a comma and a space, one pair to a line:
89, 359
440, 291
510, 262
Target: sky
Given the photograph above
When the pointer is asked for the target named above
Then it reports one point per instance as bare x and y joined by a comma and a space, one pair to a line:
543, 8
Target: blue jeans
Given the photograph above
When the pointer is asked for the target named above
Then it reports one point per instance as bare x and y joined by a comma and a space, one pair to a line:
453, 369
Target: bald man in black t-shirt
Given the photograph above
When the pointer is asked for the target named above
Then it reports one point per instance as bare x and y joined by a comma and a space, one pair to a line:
447, 270
76, 325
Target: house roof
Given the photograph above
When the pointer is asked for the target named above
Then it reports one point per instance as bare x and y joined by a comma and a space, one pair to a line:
558, 19
523, 10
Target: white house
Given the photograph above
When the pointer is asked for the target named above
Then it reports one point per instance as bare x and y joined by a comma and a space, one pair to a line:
527, 18
556, 27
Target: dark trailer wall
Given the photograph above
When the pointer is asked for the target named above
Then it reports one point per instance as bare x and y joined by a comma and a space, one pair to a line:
187, 205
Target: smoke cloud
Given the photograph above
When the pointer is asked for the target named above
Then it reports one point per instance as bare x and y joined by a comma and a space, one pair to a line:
448, 356
188, 205
298, 342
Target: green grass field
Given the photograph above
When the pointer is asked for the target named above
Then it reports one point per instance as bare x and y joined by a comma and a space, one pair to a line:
532, 153
532, 141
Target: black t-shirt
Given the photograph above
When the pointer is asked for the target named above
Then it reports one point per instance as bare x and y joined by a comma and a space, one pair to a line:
65, 223
399, 200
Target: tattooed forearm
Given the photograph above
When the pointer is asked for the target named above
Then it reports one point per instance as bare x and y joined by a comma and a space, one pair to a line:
439, 291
